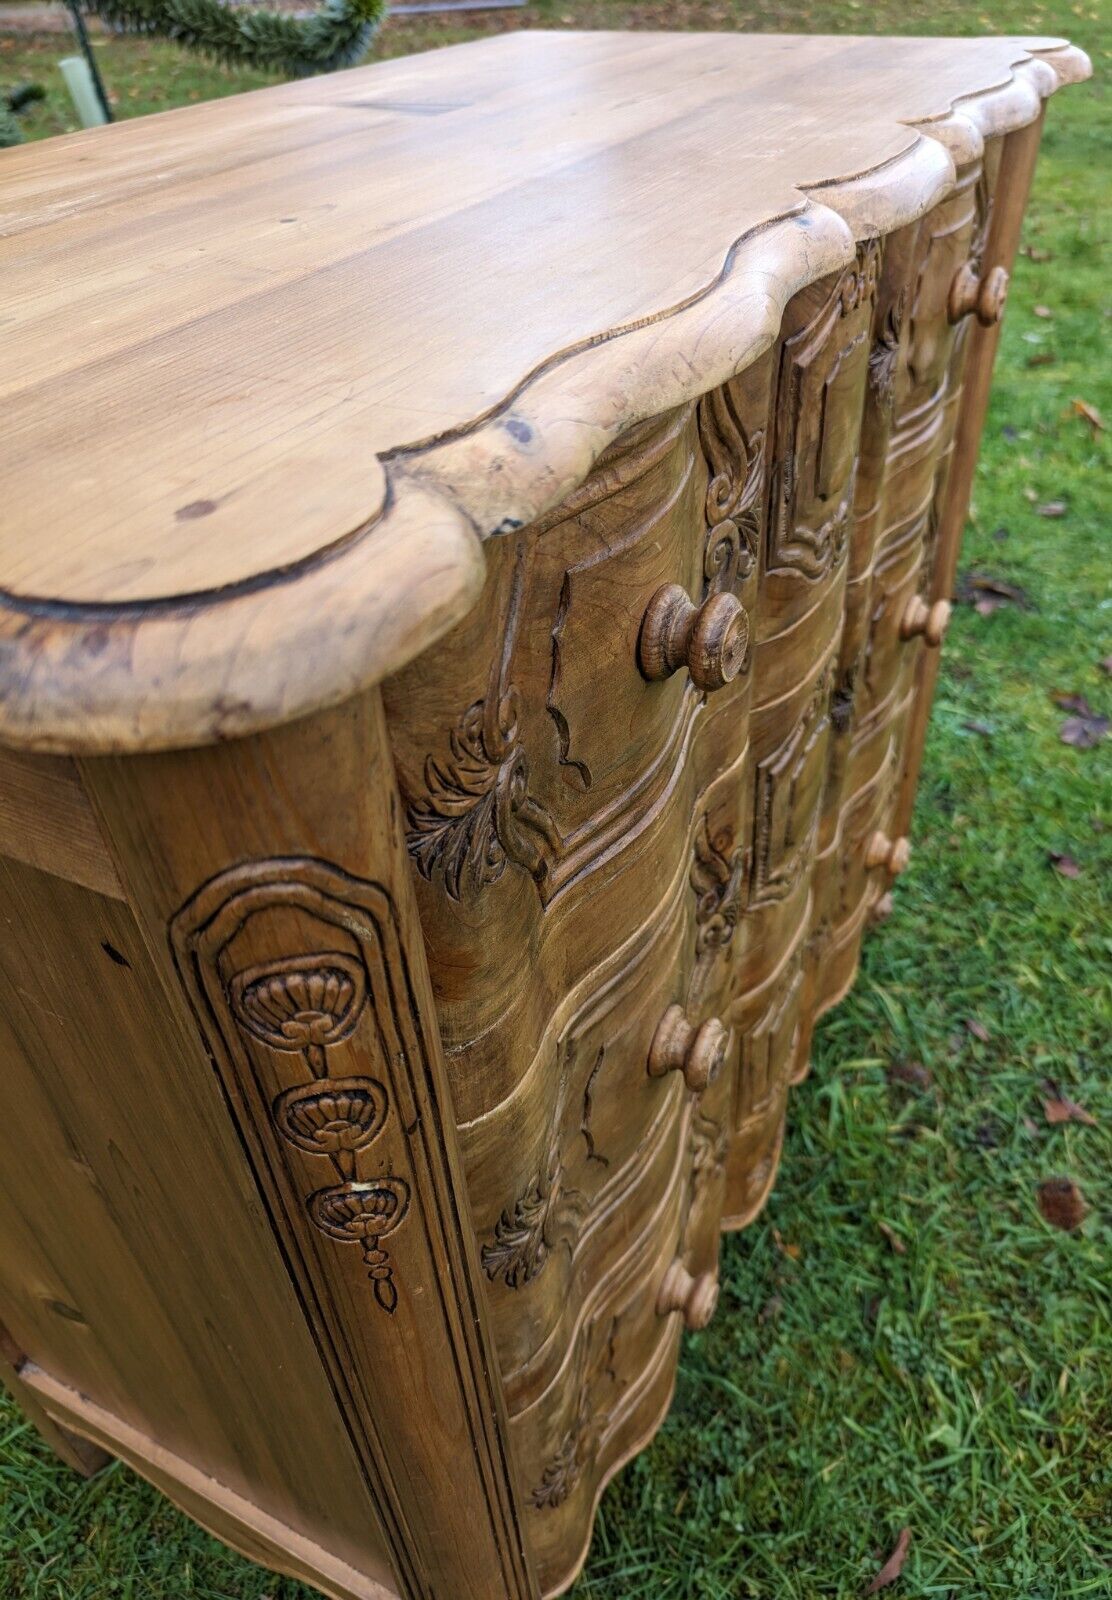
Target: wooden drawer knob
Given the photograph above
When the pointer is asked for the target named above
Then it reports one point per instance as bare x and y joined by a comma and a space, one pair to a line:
920, 617
984, 297
679, 1046
894, 854
697, 1297
709, 640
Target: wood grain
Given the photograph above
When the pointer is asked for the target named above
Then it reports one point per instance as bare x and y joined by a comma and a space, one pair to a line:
235, 448
440, 1027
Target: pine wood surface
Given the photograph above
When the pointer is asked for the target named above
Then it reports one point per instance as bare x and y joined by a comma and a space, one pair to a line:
297, 307
440, 1031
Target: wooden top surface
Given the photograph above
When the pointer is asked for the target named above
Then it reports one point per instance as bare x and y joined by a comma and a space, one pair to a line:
227, 327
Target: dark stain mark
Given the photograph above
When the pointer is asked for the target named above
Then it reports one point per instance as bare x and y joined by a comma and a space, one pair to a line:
61, 1309
114, 955
195, 509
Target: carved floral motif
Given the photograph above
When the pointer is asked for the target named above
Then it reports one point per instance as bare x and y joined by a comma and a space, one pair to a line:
363, 1213
476, 812
736, 464
718, 879
305, 1005
884, 357
330, 1115
578, 1446
524, 1233
709, 1147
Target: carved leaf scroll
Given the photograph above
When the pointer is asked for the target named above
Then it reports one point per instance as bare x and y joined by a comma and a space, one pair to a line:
884, 357
736, 465
524, 1234
476, 812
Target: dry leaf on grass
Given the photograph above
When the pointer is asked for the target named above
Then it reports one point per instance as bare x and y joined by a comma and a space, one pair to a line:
792, 1251
892, 1568
910, 1072
1072, 702
1042, 358
1064, 864
1083, 731
1062, 1203
987, 594
1058, 1107
1052, 508
894, 1240
1044, 312
1089, 414
977, 1029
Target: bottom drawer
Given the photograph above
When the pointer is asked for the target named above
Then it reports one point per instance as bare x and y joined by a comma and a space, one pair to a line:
615, 1384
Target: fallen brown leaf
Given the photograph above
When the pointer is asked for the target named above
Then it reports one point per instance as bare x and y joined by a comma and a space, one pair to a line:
910, 1072
892, 1568
1064, 864
1062, 1203
987, 594
792, 1251
1043, 311
1052, 508
977, 1029
1083, 732
1042, 358
1035, 252
1072, 702
1089, 413
893, 1238
1058, 1107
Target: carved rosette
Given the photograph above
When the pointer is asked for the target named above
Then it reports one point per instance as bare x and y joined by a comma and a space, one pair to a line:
306, 1005
363, 1213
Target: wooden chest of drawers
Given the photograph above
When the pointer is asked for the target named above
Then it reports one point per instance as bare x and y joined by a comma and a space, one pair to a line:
477, 539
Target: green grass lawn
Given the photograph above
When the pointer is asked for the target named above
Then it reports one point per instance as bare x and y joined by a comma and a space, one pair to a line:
847, 1389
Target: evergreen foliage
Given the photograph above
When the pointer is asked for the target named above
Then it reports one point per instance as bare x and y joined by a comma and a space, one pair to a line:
338, 35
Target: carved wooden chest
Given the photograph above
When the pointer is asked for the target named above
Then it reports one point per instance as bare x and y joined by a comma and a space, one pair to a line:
477, 538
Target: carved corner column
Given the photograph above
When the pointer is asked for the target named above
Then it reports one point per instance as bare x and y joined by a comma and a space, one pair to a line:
1013, 185
270, 879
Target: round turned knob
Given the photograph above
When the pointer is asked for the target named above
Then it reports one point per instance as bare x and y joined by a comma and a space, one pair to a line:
920, 617
984, 297
679, 1046
882, 909
709, 640
696, 1297
893, 854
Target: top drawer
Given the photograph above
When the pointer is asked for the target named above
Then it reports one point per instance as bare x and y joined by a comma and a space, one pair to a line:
552, 749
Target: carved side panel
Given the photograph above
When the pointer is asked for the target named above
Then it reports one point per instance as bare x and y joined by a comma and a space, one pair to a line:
298, 976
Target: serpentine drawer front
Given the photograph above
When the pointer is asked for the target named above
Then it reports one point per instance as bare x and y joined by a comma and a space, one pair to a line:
477, 542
